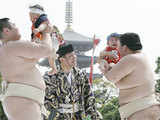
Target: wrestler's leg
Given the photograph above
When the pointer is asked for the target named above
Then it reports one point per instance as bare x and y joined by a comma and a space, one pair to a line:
19, 108
151, 113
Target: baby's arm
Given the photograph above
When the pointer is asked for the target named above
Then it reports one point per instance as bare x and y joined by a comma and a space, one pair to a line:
105, 53
111, 54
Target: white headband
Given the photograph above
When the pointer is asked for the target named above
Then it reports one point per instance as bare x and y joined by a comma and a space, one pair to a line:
37, 11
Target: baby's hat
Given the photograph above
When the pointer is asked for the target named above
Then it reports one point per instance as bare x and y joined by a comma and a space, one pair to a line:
36, 9
113, 35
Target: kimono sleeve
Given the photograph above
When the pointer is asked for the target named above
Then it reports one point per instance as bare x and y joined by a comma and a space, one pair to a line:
51, 101
89, 100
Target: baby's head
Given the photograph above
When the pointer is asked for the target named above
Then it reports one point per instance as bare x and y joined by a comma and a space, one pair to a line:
35, 12
112, 40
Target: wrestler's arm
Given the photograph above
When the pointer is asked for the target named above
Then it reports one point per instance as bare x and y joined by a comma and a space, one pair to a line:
31, 50
52, 58
89, 100
101, 56
52, 63
124, 67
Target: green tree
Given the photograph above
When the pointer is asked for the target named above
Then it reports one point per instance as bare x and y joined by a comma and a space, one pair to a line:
157, 71
2, 115
107, 99
110, 110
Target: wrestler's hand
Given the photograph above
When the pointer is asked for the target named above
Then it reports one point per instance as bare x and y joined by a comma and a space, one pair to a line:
112, 55
105, 68
52, 72
48, 29
35, 31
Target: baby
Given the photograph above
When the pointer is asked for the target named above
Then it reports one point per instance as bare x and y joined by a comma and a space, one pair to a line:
39, 22
110, 54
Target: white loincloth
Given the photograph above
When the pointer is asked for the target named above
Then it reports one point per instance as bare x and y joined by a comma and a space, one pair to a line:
137, 105
26, 91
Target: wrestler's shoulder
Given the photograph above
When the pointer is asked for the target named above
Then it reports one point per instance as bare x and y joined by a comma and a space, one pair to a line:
130, 57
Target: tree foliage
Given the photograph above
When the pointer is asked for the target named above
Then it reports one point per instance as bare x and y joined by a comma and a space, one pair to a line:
110, 111
2, 115
157, 86
107, 99
157, 71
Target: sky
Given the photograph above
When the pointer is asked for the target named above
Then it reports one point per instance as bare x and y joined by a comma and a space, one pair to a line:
99, 17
